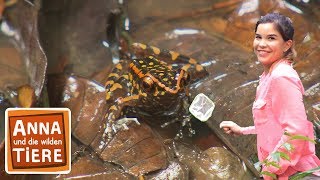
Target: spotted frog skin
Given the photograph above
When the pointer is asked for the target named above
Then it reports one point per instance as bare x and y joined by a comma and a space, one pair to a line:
150, 86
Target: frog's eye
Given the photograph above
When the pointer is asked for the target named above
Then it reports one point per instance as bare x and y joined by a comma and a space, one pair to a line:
147, 83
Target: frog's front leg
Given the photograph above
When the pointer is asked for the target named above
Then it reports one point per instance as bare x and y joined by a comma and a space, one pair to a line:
115, 120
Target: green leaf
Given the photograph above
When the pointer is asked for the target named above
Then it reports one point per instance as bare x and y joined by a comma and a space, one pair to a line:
300, 137
269, 174
284, 156
301, 175
273, 163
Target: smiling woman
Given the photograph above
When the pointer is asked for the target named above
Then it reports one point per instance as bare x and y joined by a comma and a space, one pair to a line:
269, 46
278, 109
273, 40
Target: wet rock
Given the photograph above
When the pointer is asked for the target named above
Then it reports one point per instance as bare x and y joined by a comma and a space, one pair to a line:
13, 69
225, 164
174, 171
85, 99
21, 55
24, 18
214, 163
72, 33
138, 150
77, 149
94, 169
310, 78
241, 22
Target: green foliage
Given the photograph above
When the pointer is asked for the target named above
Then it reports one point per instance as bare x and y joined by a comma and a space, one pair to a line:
301, 175
300, 137
269, 174
277, 155
284, 156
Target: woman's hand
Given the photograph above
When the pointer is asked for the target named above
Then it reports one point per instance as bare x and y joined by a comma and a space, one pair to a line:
230, 127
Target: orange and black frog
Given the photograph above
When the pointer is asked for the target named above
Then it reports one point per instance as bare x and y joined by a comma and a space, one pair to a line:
153, 83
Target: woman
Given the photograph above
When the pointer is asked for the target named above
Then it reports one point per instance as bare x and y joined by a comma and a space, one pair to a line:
278, 107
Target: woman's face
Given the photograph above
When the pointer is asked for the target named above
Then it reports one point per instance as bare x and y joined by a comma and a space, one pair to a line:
269, 45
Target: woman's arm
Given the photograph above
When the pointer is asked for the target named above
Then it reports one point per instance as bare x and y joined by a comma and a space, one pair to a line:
248, 130
231, 127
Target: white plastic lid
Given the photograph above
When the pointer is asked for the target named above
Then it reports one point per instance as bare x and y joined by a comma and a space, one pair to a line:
202, 107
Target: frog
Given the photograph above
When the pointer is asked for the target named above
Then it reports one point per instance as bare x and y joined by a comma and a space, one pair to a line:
153, 82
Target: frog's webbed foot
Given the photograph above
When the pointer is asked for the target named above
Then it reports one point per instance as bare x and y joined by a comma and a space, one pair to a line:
169, 122
186, 124
123, 123
120, 124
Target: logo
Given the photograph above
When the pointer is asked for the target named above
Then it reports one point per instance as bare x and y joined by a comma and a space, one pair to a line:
38, 140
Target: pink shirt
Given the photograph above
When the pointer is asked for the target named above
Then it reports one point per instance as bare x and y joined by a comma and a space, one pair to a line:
279, 107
